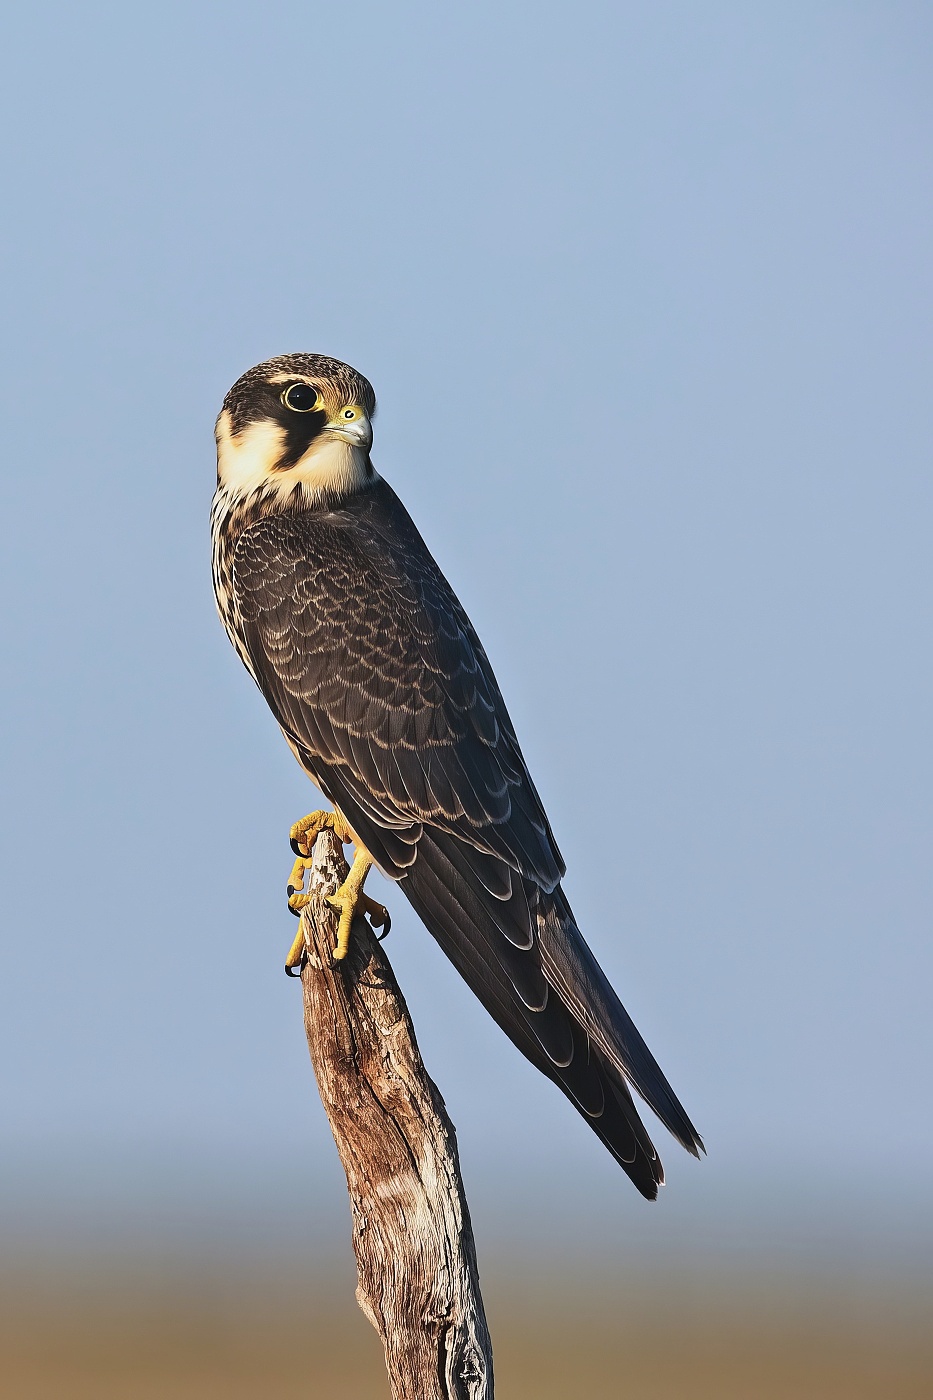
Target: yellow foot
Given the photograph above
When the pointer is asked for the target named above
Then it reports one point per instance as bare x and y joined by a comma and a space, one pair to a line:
297, 956
351, 901
302, 838
304, 833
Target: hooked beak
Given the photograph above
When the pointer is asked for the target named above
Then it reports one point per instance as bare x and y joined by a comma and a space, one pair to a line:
359, 433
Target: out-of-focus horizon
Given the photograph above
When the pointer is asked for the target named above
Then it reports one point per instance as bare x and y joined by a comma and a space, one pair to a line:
644, 293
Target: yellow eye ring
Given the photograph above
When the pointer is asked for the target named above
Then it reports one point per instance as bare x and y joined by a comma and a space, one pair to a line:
301, 398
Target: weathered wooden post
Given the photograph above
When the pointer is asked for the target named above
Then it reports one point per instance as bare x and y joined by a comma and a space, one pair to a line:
418, 1279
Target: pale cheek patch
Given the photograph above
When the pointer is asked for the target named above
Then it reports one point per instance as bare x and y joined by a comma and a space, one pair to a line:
245, 462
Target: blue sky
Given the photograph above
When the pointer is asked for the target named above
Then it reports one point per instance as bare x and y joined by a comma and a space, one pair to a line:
645, 295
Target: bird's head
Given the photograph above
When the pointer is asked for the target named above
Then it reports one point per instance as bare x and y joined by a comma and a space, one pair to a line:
296, 424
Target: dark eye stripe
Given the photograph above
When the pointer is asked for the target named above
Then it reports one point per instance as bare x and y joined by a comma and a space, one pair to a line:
302, 398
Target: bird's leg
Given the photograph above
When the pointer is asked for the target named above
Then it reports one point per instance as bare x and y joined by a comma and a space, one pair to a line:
349, 899
302, 838
304, 833
297, 954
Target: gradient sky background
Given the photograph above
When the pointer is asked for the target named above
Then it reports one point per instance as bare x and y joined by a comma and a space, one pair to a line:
645, 294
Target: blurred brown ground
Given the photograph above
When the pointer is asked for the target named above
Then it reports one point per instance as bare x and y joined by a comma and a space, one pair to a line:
243, 1329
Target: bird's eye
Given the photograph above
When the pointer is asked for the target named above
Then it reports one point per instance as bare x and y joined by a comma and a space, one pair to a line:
349, 413
303, 398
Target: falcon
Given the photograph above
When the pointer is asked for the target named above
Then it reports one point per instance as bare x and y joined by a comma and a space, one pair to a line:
386, 697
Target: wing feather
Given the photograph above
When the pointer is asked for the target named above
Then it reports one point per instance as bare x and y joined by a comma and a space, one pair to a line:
385, 694
370, 664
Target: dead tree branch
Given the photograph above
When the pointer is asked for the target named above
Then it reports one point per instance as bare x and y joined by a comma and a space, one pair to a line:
418, 1279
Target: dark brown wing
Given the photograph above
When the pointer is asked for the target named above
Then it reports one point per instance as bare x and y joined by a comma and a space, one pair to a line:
375, 674
373, 669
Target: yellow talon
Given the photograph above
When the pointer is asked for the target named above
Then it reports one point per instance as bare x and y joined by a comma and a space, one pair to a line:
378, 914
349, 899
296, 955
297, 899
350, 907
304, 833
302, 838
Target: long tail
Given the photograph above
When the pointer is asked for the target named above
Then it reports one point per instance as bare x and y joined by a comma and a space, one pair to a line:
527, 962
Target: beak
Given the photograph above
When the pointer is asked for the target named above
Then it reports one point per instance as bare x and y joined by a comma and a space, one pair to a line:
359, 433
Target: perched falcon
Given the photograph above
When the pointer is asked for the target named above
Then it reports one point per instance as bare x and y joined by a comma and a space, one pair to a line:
387, 699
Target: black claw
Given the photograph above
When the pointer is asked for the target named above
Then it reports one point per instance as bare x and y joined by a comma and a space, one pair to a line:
297, 971
296, 912
384, 931
295, 847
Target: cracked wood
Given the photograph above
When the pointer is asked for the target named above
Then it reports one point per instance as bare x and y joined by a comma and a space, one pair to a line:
416, 1260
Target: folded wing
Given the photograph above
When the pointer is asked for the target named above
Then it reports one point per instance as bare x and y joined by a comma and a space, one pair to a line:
384, 691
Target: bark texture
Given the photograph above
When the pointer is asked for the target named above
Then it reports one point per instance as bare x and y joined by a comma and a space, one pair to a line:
418, 1279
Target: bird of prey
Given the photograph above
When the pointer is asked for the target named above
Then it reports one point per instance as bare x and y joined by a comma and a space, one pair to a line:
388, 701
